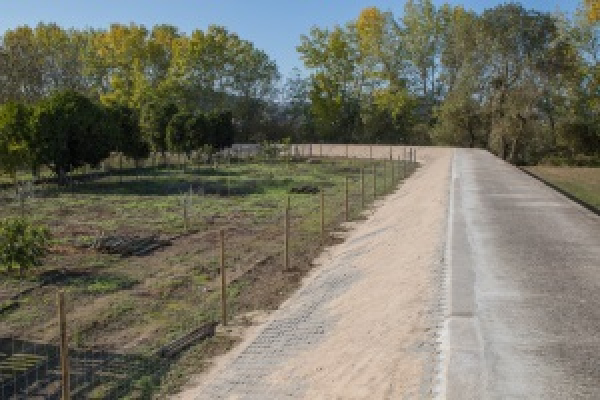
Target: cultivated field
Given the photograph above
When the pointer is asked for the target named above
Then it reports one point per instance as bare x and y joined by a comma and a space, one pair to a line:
121, 310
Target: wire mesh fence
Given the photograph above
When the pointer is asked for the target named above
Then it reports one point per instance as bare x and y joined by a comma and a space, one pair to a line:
126, 331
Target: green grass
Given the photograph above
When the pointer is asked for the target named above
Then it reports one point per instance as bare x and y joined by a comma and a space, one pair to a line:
114, 301
153, 203
581, 182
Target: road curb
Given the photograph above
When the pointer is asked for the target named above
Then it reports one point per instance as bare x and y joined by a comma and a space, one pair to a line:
577, 200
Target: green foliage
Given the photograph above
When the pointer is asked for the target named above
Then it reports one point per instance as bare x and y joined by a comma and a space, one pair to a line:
69, 131
179, 137
128, 134
22, 244
104, 283
14, 138
187, 132
222, 129
154, 119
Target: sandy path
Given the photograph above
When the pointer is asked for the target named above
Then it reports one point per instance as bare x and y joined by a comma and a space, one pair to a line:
360, 326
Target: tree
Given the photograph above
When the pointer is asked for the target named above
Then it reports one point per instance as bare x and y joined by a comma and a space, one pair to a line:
121, 56
593, 10
421, 38
199, 131
460, 118
14, 138
296, 108
179, 136
22, 244
222, 129
154, 119
22, 66
334, 57
128, 138
69, 131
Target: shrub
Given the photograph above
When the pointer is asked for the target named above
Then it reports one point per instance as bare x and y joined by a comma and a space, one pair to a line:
22, 244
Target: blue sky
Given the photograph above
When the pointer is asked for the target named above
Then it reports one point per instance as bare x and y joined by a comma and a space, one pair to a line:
274, 26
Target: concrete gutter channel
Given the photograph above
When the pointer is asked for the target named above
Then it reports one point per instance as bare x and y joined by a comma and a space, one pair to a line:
461, 364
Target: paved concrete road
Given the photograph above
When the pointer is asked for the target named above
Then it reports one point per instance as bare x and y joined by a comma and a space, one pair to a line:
524, 288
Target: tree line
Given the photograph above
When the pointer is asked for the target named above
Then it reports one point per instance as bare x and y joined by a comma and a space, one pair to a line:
70, 97
522, 83
67, 130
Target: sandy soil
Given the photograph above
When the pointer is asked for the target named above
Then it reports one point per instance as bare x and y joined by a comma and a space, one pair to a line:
378, 323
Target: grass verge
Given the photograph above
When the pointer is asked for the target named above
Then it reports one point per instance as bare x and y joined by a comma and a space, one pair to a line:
581, 182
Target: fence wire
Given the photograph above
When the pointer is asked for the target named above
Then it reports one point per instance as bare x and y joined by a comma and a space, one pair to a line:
30, 367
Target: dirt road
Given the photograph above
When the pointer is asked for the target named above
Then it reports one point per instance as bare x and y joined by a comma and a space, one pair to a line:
363, 323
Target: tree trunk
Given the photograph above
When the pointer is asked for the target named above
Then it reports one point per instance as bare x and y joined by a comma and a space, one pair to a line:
514, 151
503, 147
471, 133
15, 182
62, 176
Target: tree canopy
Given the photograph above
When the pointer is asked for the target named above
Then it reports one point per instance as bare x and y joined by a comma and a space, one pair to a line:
522, 83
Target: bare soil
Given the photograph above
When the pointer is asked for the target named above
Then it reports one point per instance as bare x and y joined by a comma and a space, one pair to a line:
374, 348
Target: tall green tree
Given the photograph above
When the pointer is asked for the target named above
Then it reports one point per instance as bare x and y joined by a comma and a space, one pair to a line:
69, 131
15, 136
155, 116
128, 136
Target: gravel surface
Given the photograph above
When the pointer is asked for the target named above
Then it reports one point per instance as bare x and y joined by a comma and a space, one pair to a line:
363, 324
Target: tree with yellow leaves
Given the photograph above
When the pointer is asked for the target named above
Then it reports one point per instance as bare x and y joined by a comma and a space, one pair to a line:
593, 10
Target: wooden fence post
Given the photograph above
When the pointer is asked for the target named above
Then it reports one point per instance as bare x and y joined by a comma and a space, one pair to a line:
362, 186
393, 174
286, 237
346, 151
384, 176
186, 223
120, 167
374, 181
323, 214
223, 279
371, 151
346, 201
64, 348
